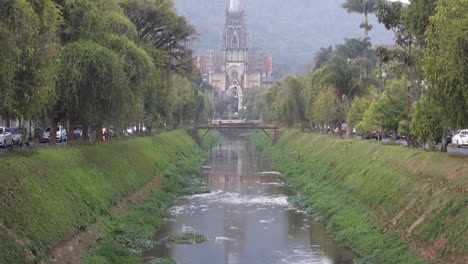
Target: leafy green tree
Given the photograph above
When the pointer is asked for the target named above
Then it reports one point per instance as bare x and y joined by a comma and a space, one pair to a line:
417, 18
158, 25
387, 111
315, 85
322, 56
428, 123
347, 81
30, 46
92, 85
393, 16
364, 7
294, 103
328, 110
356, 113
446, 60
367, 124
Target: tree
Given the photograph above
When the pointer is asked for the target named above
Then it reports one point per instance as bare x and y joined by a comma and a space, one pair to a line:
356, 113
417, 18
92, 86
158, 25
347, 81
293, 105
322, 56
30, 43
446, 59
364, 7
387, 111
328, 110
393, 16
428, 122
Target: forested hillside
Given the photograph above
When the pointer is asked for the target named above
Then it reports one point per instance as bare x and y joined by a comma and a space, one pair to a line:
292, 30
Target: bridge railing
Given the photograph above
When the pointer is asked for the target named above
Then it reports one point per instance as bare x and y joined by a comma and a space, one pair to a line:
225, 122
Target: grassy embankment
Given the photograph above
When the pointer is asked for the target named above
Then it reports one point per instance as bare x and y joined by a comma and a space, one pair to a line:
57, 191
389, 204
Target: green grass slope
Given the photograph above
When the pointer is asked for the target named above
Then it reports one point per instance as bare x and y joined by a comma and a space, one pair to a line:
48, 196
387, 203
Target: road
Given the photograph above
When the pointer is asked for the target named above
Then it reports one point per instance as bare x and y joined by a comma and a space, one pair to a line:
463, 150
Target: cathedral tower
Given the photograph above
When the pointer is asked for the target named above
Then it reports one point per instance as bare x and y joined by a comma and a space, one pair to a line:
235, 52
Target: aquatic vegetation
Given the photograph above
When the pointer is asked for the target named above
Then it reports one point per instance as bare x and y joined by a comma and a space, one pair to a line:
187, 238
194, 190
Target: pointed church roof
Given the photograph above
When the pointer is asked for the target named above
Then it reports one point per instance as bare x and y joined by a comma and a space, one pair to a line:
234, 5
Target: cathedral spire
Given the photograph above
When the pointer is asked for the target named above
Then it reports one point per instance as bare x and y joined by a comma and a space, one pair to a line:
234, 5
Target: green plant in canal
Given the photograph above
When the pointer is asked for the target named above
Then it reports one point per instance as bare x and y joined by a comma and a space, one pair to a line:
194, 191
186, 238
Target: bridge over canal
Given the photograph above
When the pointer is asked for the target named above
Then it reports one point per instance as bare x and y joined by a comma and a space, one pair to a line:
240, 124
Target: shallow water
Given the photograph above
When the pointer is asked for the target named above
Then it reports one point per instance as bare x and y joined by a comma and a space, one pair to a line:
247, 217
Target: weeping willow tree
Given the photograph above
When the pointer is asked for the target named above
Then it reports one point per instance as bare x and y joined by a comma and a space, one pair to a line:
92, 85
29, 45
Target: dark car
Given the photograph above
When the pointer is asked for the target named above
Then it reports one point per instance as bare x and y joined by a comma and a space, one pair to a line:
449, 136
77, 132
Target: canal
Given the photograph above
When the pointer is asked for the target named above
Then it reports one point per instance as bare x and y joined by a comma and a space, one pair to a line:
247, 217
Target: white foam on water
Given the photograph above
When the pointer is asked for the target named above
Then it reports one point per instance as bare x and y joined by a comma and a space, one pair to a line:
301, 256
270, 172
229, 198
186, 228
273, 183
221, 238
266, 221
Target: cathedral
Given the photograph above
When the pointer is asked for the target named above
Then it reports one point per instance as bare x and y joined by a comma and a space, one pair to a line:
234, 69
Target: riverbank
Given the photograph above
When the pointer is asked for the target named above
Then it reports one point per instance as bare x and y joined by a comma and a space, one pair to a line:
389, 204
54, 193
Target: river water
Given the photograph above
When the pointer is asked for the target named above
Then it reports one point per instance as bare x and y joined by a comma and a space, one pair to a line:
247, 217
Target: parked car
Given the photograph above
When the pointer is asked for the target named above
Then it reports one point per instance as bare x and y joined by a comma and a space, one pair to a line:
6, 137
449, 136
77, 132
461, 138
18, 137
60, 135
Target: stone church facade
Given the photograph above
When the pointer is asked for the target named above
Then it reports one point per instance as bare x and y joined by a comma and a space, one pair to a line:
234, 69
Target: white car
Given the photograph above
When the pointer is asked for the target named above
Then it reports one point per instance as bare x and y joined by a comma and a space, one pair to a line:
461, 138
60, 135
6, 137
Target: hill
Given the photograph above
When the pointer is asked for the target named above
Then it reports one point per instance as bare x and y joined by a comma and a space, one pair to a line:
291, 30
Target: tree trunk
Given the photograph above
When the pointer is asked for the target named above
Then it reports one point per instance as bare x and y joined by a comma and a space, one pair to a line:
53, 132
443, 148
85, 131
366, 26
99, 134
70, 136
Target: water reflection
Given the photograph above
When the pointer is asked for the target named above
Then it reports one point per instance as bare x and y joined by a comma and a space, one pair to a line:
247, 217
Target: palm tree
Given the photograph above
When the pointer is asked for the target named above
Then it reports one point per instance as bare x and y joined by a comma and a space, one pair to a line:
365, 7
348, 79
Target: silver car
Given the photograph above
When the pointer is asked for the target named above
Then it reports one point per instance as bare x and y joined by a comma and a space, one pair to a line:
6, 137
60, 135
18, 137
